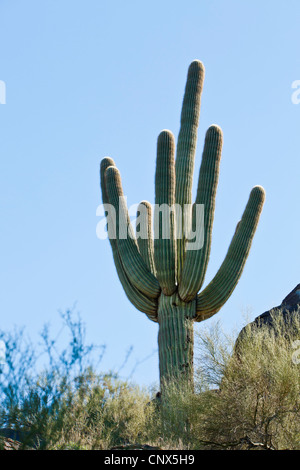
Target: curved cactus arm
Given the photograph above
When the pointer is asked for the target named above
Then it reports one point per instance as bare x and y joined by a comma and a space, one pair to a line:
214, 296
186, 147
144, 234
196, 260
139, 300
134, 265
164, 214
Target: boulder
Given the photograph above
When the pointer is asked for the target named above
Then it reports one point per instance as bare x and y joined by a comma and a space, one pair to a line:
289, 309
21, 439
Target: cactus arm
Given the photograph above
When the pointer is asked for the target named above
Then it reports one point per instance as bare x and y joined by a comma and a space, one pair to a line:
134, 265
186, 147
214, 296
140, 301
144, 224
105, 163
164, 243
196, 261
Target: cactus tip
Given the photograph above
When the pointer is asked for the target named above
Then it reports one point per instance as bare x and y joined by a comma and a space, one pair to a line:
259, 191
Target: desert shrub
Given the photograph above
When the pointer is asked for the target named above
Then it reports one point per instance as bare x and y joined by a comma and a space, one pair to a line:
56, 397
257, 403
105, 412
244, 398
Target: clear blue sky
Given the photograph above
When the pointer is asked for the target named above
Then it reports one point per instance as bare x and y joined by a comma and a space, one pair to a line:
87, 79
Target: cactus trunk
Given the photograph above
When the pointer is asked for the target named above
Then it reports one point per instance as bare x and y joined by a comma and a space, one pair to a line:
176, 339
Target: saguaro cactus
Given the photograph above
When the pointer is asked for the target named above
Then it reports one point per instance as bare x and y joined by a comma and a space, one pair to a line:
160, 276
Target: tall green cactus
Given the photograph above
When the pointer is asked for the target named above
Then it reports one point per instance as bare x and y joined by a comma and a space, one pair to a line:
160, 276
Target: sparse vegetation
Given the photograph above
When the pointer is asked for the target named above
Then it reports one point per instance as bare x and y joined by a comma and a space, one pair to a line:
244, 400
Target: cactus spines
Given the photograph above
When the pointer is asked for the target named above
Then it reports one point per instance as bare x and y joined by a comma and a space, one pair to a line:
161, 276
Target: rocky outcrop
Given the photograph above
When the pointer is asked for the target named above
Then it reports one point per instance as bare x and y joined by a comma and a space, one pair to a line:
289, 305
289, 309
16, 439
